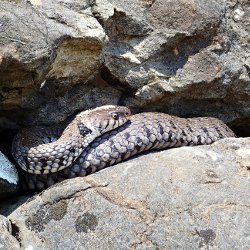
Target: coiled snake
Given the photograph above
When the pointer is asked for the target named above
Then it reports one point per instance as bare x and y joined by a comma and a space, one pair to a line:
73, 154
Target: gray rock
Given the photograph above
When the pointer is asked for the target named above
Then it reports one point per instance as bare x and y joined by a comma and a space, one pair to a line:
8, 177
184, 198
7, 240
188, 58
45, 49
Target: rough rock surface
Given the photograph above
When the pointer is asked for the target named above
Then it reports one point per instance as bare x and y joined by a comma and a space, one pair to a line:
8, 177
185, 198
7, 240
46, 47
181, 57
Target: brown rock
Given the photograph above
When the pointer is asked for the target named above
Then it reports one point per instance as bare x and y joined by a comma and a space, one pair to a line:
184, 15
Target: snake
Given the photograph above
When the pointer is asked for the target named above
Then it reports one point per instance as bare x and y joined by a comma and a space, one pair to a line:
132, 135
42, 150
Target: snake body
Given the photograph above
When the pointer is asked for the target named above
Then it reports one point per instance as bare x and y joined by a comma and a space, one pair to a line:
142, 132
40, 150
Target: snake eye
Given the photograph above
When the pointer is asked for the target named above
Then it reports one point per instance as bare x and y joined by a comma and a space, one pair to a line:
115, 116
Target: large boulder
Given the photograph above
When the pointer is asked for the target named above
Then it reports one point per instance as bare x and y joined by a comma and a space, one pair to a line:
46, 47
184, 198
193, 61
183, 57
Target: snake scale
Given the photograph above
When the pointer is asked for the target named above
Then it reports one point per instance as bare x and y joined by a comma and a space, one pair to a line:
131, 135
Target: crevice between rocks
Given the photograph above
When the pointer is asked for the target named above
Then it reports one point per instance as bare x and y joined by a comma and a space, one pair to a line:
16, 233
74, 193
241, 127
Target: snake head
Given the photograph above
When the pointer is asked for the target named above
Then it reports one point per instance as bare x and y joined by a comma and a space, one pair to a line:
104, 118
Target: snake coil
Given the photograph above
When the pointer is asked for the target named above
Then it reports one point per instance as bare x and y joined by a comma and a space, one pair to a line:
128, 136
42, 150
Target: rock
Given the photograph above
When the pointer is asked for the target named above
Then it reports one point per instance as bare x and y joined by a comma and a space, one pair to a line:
192, 16
46, 48
8, 177
183, 198
7, 241
187, 58
186, 65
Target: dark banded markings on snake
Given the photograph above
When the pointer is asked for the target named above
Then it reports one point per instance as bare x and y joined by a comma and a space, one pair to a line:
218, 131
173, 125
161, 128
205, 130
84, 130
189, 128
